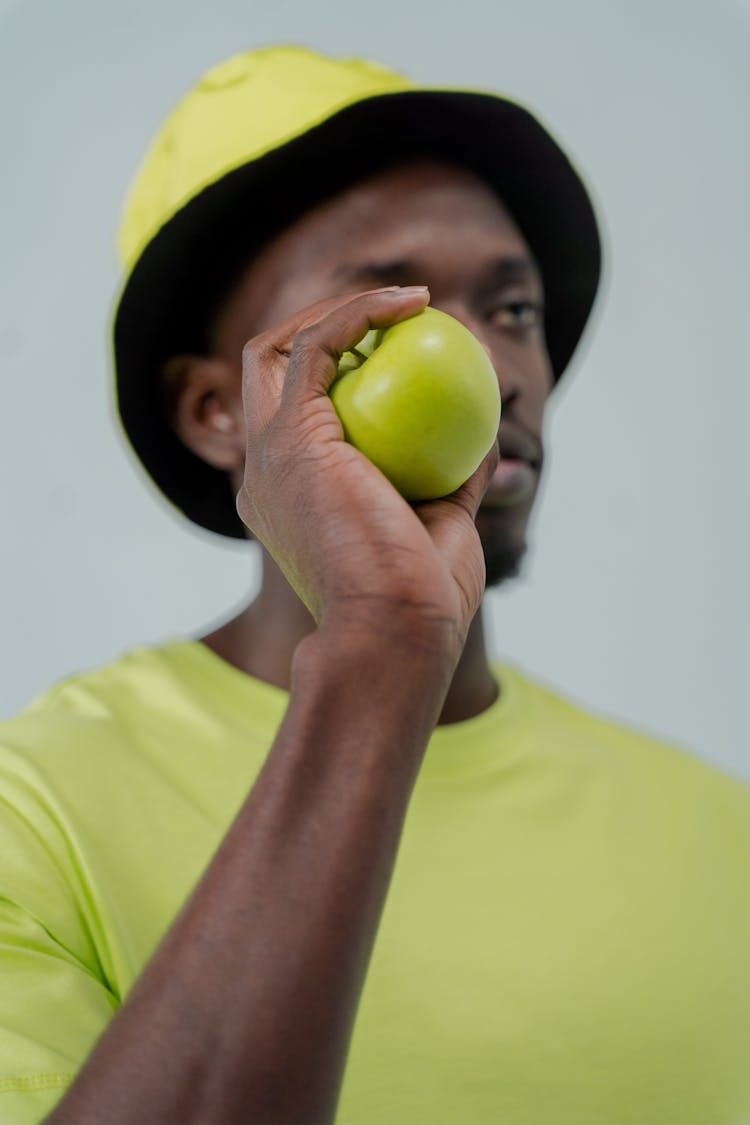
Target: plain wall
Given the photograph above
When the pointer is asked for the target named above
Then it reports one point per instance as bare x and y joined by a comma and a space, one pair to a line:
634, 597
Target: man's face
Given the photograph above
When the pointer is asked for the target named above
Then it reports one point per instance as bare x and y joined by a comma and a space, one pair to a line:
434, 225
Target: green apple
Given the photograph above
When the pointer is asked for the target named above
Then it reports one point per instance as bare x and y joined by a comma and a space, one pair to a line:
421, 400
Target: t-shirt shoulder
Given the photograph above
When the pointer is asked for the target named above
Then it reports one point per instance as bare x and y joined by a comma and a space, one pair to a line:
616, 737
177, 686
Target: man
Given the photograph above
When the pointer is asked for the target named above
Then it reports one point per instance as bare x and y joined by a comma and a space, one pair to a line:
330, 862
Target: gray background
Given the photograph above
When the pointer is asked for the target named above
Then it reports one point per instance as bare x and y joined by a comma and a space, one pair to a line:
634, 600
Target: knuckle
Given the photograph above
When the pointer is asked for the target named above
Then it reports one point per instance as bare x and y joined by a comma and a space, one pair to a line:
306, 336
308, 340
310, 346
251, 349
256, 351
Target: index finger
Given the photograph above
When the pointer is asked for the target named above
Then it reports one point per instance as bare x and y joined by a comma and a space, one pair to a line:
281, 336
317, 347
319, 333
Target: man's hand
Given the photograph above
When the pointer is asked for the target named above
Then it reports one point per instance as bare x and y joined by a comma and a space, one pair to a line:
245, 1011
354, 550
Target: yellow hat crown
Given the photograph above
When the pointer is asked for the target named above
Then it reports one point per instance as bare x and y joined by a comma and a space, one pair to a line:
246, 106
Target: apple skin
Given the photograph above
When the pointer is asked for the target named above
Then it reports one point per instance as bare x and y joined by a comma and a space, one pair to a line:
421, 401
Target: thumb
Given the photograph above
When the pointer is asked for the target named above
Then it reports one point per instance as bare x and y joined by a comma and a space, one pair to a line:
449, 519
471, 493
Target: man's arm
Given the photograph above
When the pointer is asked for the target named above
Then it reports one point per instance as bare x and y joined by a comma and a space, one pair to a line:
245, 1011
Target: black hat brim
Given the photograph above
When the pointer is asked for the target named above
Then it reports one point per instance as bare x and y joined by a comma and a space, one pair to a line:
185, 268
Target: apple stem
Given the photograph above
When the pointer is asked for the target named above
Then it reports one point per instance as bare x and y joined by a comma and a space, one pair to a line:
358, 354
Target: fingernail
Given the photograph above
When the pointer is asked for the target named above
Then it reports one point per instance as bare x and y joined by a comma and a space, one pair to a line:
405, 290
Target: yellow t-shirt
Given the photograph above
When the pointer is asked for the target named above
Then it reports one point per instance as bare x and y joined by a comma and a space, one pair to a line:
566, 940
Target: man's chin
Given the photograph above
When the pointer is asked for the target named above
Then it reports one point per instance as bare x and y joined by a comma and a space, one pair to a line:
502, 562
502, 531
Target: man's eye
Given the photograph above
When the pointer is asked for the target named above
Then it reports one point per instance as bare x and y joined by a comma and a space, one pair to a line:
518, 314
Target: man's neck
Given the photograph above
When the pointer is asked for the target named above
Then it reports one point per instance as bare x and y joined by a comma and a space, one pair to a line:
262, 638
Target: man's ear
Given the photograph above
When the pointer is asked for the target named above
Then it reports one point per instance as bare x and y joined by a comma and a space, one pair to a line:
204, 405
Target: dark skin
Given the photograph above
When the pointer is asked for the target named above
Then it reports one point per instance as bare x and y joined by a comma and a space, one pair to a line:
431, 225
245, 1011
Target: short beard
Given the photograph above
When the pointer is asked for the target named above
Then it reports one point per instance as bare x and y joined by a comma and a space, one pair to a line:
502, 561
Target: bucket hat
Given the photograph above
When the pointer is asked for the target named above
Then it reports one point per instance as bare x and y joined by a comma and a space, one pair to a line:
262, 138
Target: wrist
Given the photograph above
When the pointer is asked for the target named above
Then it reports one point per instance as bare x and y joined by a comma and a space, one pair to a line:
370, 628
384, 669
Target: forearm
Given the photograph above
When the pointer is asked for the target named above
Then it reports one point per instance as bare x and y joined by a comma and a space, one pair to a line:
245, 1011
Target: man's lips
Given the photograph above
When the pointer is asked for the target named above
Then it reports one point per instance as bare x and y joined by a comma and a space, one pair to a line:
517, 474
518, 445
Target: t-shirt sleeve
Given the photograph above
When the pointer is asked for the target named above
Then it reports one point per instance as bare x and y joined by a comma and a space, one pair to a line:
54, 999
